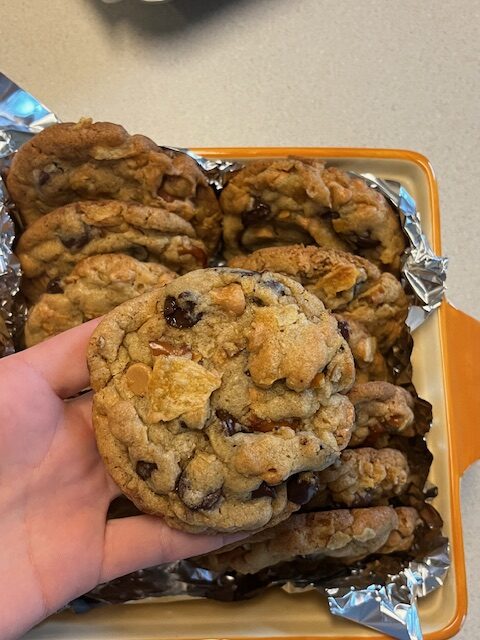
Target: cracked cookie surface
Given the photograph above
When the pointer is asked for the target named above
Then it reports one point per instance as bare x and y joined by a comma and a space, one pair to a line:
347, 284
206, 400
95, 286
54, 244
291, 201
94, 161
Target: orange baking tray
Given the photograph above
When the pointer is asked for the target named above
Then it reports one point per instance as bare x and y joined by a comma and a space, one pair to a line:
445, 362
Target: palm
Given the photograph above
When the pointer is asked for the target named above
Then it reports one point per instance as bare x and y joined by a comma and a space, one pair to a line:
55, 492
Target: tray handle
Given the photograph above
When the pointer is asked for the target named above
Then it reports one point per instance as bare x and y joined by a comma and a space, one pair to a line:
462, 338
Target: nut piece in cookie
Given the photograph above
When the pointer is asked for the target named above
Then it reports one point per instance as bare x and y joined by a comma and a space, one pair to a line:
291, 201
380, 408
347, 284
205, 405
95, 286
361, 478
50, 248
93, 161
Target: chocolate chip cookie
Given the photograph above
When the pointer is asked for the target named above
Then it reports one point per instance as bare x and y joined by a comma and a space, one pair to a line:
54, 244
95, 286
207, 401
360, 478
345, 283
380, 408
291, 201
91, 161
346, 534
370, 364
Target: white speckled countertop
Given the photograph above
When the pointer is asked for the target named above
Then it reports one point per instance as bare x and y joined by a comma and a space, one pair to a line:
279, 72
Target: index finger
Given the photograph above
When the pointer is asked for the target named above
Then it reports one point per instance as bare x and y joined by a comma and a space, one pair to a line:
62, 360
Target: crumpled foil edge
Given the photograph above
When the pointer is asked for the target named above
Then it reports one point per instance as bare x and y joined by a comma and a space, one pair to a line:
389, 608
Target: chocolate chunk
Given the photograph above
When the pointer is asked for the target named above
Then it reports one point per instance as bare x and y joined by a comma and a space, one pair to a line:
43, 178
344, 329
301, 488
275, 286
258, 302
261, 212
365, 241
230, 424
210, 501
77, 241
138, 252
145, 469
330, 215
180, 312
258, 424
206, 502
54, 286
264, 491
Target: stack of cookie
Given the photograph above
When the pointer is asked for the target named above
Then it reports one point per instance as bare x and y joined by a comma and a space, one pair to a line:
255, 397
107, 216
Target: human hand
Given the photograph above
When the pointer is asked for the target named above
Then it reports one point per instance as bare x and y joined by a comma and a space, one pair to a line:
55, 491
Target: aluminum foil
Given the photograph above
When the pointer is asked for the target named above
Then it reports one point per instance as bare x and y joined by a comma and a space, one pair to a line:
380, 594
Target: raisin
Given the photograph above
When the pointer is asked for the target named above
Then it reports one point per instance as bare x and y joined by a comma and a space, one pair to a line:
145, 469
180, 312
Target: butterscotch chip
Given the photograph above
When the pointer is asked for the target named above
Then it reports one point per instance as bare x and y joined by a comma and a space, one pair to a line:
229, 427
95, 286
137, 377
298, 200
231, 298
89, 160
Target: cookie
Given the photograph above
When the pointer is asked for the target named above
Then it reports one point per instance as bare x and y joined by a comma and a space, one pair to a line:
361, 478
95, 161
291, 201
370, 364
380, 408
401, 538
54, 244
345, 283
95, 286
346, 534
206, 400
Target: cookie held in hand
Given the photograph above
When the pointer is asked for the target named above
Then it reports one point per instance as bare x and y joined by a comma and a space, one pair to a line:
207, 399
